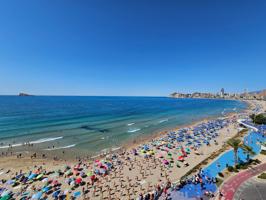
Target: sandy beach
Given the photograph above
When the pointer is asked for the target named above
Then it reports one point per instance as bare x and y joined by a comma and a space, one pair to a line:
135, 170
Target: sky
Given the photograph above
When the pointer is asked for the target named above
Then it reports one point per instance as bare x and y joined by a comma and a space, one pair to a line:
138, 48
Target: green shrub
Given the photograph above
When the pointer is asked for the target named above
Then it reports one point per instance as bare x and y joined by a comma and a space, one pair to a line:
257, 161
243, 166
262, 176
259, 119
263, 152
230, 168
219, 181
238, 166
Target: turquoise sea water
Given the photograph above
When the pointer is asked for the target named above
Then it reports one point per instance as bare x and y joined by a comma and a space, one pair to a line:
96, 123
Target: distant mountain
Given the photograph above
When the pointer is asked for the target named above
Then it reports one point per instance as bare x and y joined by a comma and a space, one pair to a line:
259, 93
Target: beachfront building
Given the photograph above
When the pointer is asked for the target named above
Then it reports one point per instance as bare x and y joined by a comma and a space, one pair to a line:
222, 95
222, 92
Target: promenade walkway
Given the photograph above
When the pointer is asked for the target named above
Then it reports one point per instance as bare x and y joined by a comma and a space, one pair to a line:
195, 191
248, 125
230, 187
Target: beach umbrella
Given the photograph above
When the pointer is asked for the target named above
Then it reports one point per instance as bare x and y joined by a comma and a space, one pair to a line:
109, 165
46, 189
166, 149
76, 172
169, 156
55, 194
55, 182
72, 183
77, 167
93, 177
68, 172
77, 194
143, 151
82, 174
38, 195
39, 176
160, 155
32, 176
10, 182
67, 167
146, 148
66, 192
19, 176
165, 162
5, 193
78, 180
89, 173
180, 158
6, 197
102, 171
44, 180
25, 194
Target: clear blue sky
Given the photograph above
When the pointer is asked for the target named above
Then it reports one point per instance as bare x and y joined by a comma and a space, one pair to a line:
131, 47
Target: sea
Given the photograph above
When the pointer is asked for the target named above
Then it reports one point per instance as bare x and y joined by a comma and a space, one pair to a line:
95, 124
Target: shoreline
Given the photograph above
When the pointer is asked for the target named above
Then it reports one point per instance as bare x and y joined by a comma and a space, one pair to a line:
130, 144
60, 153
136, 173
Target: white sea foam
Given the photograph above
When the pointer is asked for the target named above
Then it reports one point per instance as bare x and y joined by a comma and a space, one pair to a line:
45, 140
12, 145
96, 156
133, 130
163, 120
64, 147
32, 142
116, 148
130, 124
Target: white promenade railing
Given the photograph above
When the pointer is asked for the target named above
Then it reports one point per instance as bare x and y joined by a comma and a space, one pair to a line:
242, 121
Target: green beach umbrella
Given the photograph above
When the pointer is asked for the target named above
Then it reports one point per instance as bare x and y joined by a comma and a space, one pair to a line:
6, 197
39, 176
90, 174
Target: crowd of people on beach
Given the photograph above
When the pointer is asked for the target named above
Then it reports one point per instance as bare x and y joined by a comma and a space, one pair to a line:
144, 172
148, 171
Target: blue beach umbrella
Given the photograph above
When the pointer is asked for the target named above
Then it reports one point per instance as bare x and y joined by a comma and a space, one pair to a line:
32, 176
46, 189
25, 194
37, 195
77, 194
10, 182
56, 193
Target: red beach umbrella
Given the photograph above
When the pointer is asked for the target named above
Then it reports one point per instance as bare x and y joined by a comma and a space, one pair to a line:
78, 180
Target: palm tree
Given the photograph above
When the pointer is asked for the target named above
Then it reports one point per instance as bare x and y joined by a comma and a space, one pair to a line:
236, 144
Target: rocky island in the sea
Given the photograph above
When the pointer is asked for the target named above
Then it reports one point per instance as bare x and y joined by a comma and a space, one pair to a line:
24, 94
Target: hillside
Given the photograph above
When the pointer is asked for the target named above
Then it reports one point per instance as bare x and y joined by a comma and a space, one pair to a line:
260, 93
